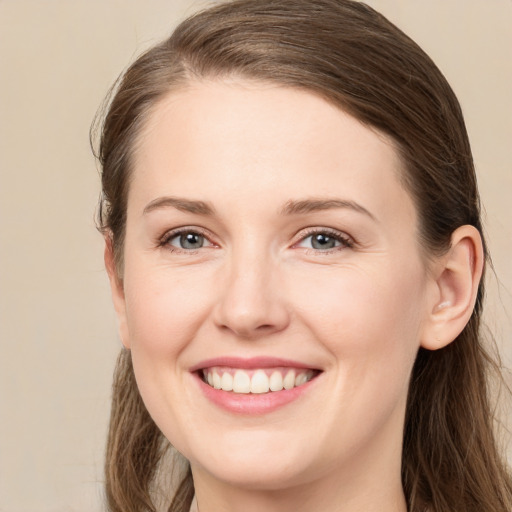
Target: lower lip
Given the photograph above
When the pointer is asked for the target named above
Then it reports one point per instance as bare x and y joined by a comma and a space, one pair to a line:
253, 403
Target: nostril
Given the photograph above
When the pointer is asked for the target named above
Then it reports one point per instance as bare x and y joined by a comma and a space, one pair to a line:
250, 313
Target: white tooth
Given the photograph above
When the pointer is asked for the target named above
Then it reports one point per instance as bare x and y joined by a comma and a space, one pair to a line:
289, 380
216, 380
259, 382
210, 378
301, 379
276, 381
241, 382
226, 382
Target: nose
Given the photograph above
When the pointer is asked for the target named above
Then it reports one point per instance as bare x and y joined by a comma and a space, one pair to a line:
251, 299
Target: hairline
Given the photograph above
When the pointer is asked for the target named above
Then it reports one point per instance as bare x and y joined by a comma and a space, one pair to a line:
186, 77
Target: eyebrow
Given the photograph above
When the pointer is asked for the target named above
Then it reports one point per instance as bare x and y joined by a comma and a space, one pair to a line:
185, 205
319, 204
296, 207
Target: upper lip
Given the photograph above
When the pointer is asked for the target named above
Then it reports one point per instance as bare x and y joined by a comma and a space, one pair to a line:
250, 363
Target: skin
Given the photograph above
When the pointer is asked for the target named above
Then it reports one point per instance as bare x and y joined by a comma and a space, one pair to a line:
358, 312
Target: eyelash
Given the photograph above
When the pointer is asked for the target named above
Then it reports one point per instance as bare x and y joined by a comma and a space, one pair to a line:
164, 241
345, 241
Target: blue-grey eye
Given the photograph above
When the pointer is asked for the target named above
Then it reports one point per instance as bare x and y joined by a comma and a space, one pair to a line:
323, 241
189, 240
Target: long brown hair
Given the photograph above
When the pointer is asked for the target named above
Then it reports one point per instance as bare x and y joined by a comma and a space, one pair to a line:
354, 58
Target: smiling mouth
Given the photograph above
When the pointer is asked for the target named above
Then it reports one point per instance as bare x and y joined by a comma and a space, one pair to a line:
257, 381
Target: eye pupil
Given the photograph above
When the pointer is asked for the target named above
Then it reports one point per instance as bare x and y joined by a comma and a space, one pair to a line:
191, 241
323, 241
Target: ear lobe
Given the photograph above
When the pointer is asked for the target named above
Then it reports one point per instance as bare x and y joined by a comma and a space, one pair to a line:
458, 275
117, 290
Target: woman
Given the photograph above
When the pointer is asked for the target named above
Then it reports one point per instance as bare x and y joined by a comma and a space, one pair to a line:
295, 252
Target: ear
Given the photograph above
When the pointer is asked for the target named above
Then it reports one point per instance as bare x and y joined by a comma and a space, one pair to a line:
117, 290
456, 278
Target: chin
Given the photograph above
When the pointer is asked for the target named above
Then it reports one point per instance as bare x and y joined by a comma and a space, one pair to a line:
256, 462
261, 476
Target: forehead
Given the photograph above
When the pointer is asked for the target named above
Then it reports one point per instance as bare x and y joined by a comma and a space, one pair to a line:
252, 139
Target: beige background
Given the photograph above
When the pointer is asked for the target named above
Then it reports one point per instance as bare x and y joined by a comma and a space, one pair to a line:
57, 329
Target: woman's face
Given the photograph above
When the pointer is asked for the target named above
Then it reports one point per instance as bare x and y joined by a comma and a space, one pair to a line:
271, 247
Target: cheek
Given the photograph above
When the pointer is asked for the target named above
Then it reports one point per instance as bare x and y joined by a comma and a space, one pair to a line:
369, 322
164, 309
367, 318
